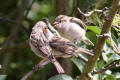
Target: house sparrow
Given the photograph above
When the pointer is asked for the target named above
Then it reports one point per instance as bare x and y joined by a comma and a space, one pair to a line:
64, 47
72, 28
40, 45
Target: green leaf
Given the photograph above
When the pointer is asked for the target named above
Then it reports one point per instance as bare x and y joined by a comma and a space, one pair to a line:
94, 29
61, 77
108, 72
105, 58
92, 37
117, 75
79, 63
3, 77
115, 57
110, 77
116, 20
96, 77
100, 64
114, 39
108, 41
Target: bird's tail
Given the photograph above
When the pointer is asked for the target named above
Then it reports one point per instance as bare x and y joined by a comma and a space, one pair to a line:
58, 67
80, 50
88, 42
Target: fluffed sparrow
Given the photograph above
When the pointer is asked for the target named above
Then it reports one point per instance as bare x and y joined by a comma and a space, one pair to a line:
40, 45
72, 28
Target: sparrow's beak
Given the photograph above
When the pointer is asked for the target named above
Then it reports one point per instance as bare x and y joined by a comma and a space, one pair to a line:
55, 23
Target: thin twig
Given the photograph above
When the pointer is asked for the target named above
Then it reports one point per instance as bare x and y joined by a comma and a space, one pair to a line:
36, 68
89, 13
110, 66
28, 74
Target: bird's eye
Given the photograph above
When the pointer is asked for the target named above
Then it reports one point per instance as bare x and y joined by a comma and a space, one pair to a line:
60, 21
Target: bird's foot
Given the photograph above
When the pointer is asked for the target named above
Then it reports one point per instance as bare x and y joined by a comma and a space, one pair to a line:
39, 65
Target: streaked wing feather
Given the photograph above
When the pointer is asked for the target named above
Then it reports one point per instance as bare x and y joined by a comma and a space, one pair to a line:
41, 43
44, 45
63, 45
79, 22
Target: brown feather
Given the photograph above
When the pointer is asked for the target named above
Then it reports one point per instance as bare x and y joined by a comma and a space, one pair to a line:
63, 45
40, 45
68, 47
40, 42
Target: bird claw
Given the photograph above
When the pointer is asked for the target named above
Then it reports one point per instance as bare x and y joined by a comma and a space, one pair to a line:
37, 67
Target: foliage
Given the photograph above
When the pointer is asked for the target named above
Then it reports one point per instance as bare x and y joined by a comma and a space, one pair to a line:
19, 61
61, 77
2, 77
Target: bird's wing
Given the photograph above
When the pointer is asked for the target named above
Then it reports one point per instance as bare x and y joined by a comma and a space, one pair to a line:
44, 45
41, 43
63, 45
79, 22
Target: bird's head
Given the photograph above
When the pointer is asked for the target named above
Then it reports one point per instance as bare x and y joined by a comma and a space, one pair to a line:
60, 18
40, 25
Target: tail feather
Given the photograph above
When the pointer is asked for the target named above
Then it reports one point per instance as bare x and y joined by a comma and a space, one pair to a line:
85, 51
88, 42
58, 67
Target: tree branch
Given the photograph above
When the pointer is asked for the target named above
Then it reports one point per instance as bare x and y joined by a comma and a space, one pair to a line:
36, 68
110, 66
101, 41
89, 13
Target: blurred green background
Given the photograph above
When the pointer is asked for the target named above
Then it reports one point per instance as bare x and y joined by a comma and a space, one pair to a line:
17, 17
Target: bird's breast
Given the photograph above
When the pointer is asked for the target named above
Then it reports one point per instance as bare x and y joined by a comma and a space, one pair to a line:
72, 31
